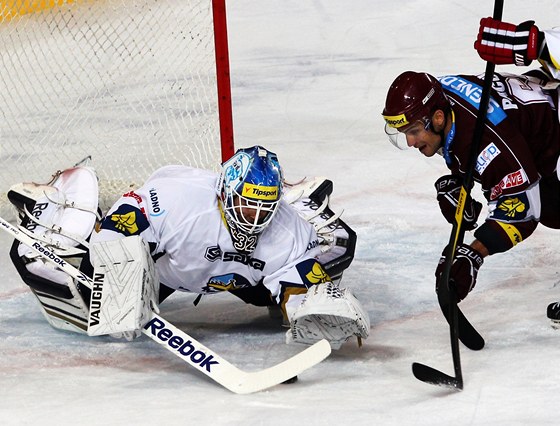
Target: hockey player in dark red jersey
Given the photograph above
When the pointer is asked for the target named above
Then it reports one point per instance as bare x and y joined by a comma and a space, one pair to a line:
516, 165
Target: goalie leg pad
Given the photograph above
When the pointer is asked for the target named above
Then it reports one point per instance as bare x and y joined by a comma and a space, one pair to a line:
69, 314
125, 289
327, 312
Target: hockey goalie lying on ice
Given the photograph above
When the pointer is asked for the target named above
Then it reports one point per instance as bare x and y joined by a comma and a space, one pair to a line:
191, 230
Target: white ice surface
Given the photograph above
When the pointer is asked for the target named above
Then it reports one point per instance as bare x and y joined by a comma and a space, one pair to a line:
309, 81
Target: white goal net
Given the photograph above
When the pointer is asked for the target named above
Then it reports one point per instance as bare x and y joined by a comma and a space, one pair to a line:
131, 83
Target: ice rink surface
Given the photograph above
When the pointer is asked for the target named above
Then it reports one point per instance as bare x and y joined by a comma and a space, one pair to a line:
309, 80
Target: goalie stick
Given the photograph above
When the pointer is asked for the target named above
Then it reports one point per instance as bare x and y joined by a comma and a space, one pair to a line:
447, 295
189, 349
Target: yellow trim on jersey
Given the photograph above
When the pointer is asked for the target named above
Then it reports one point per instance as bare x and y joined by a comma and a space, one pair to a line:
287, 292
555, 63
512, 232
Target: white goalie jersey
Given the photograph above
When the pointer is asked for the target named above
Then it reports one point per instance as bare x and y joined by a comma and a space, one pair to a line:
177, 212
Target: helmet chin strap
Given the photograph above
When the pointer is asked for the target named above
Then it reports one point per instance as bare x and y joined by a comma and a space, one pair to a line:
447, 140
242, 243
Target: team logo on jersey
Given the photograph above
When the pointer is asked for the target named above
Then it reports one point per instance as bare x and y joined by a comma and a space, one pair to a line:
486, 157
127, 220
512, 208
213, 253
126, 223
510, 181
226, 282
472, 92
311, 272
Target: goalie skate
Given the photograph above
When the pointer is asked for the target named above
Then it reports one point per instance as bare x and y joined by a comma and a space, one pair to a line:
553, 313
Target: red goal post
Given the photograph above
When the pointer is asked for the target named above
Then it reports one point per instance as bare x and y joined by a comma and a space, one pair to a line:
135, 84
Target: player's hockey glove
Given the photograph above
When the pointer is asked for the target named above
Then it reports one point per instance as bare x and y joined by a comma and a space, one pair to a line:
502, 43
464, 270
448, 189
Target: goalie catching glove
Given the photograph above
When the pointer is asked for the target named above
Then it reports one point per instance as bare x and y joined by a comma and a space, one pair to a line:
327, 312
448, 189
464, 270
502, 43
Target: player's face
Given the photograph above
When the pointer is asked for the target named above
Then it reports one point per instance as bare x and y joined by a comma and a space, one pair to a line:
251, 213
418, 135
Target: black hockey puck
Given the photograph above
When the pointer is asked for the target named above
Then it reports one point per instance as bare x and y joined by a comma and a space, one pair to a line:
292, 380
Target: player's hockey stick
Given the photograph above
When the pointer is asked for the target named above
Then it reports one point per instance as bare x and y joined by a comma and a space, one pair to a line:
189, 349
446, 292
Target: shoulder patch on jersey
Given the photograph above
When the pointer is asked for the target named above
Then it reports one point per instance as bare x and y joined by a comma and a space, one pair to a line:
472, 92
226, 283
486, 157
126, 220
510, 181
311, 272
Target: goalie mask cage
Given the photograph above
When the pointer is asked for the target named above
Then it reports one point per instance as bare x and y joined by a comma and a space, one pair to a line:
135, 84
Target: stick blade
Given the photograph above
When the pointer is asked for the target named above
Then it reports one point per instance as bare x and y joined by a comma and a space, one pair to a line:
249, 382
435, 377
468, 335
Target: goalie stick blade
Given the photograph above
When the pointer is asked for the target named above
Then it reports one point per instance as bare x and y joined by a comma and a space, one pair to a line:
435, 377
283, 372
218, 369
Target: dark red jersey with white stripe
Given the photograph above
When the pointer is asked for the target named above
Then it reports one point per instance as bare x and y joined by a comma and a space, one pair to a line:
518, 154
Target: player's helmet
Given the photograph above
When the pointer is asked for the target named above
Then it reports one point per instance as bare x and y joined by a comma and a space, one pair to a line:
413, 96
249, 189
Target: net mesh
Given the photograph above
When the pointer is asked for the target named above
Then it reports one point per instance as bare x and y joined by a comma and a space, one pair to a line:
130, 83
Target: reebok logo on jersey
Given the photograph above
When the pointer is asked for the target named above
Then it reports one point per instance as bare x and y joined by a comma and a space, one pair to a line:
156, 327
486, 157
260, 192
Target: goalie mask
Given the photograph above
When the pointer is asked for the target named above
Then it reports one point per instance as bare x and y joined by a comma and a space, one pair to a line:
249, 190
